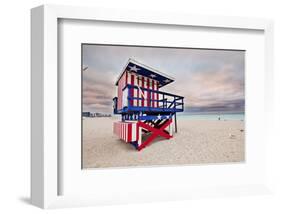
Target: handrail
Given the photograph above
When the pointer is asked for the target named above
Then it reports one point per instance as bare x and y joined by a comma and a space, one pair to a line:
151, 90
176, 103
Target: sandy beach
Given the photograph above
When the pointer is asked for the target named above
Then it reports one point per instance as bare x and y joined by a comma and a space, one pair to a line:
196, 142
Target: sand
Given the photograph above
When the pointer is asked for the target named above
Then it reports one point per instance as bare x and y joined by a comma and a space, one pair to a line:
196, 142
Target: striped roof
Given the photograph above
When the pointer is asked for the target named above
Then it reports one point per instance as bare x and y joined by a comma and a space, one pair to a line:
143, 70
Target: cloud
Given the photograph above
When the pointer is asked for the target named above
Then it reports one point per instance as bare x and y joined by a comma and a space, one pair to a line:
98, 91
208, 79
212, 89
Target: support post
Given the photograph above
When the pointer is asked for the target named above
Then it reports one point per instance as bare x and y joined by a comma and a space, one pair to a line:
140, 135
176, 127
171, 129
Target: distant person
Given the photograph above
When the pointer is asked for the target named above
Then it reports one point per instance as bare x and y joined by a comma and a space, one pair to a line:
219, 118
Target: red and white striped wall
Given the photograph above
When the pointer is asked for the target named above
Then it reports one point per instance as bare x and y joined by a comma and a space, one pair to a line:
141, 81
127, 131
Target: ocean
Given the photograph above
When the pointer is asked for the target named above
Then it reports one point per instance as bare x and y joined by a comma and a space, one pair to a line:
212, 116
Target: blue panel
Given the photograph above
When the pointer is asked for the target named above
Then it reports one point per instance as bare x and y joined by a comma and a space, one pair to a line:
154, 117
150, 109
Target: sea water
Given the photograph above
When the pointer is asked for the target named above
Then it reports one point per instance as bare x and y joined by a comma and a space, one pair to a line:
212, 116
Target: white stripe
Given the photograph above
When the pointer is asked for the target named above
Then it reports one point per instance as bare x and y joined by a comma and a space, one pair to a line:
155, 94
171, 129
129, 78
145, 92
125, 137
140, 136
135, 103
134, 131
123, 130
150, 87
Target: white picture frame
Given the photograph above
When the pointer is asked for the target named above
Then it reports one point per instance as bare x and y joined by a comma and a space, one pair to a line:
45, 148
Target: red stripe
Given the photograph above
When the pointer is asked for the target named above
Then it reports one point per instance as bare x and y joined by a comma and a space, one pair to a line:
132, 89
138, 93
127, 129
148, 92
153, 88
142, 85
127, 132
130, 132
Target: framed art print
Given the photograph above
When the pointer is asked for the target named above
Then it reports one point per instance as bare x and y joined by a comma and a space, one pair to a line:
132, 107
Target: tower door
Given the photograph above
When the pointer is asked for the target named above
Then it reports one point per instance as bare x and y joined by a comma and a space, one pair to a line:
125, 98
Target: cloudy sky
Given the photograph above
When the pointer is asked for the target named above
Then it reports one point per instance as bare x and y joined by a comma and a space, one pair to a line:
210, 80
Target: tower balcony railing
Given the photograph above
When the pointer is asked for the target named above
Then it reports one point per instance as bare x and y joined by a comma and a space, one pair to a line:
139, 99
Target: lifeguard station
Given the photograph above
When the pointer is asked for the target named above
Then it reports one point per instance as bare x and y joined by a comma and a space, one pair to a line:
144, 109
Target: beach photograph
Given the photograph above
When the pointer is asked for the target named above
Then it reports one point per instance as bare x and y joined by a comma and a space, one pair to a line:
161, 106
